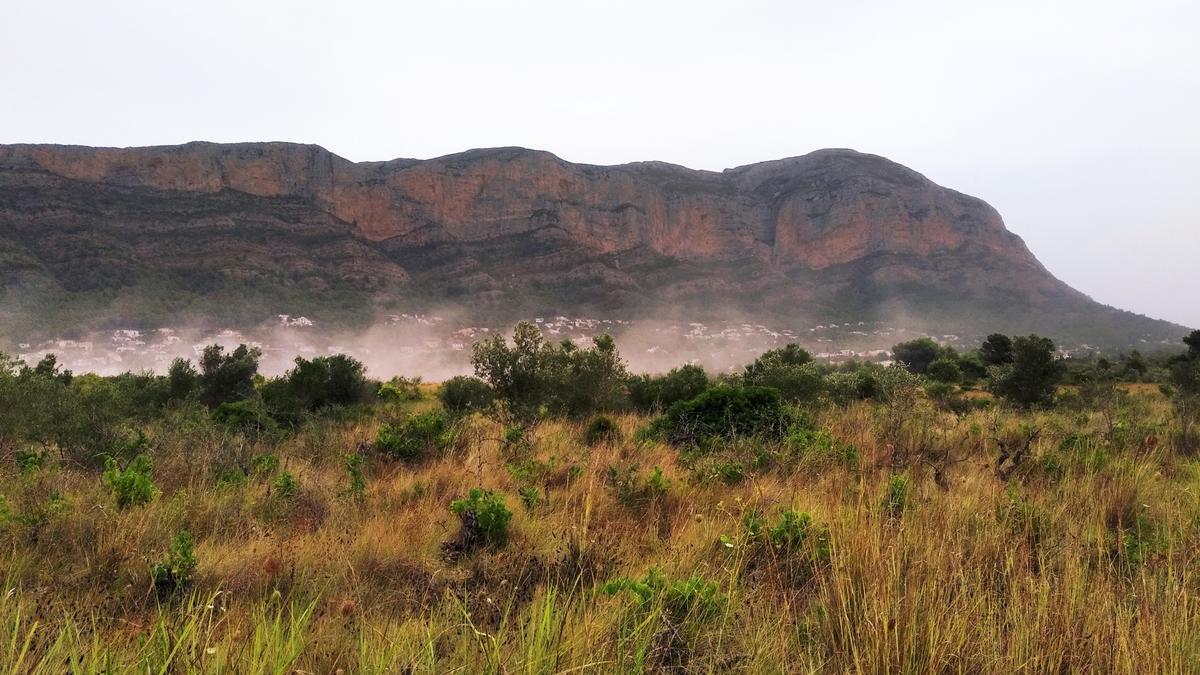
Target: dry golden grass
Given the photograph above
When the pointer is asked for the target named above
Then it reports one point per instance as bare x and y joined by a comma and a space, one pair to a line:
1033, 574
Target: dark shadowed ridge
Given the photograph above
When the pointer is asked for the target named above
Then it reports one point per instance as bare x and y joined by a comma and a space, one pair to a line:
232, 234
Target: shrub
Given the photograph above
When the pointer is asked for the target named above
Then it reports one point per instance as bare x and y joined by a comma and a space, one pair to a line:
485, 510
681, 600
264, 464
177, 568
418, 436
917, 355
400, 389
312, 385
533, 377
602, 429
464, 395
789, 371
248, 417
131, 485
225, 378
183, 380
895, 496
358, 482
946, 371
655, 393
29, 461
724, 412
635, 491
791, 531
1031, 378
530, 497
285, 486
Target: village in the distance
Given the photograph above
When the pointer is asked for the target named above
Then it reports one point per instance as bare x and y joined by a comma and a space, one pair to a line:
434, 346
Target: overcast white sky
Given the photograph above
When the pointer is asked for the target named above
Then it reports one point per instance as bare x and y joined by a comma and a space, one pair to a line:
1077, 120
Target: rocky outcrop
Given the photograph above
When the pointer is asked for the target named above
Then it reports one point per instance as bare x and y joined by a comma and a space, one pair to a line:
832, 233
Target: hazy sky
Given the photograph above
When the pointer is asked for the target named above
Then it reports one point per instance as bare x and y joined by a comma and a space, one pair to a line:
1079, 121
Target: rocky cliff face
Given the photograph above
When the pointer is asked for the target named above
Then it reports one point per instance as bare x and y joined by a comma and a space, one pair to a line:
204, 228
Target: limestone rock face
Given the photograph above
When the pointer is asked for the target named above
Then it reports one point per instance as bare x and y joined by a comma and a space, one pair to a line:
835, 233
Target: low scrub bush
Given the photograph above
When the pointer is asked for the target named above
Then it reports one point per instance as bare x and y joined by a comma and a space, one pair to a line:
484, 517
464, 395
895, 496
633, 489
419, 436
176, 570
400, 389
285, 486
725, 412
131, 485
655, 393
602, 429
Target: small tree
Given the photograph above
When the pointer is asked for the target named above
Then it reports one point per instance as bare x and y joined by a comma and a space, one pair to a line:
654, 393
532, 376
225, 378
1184, 388
996, 350
183, 380
917, 355
464, 395
945, 370
1031, 378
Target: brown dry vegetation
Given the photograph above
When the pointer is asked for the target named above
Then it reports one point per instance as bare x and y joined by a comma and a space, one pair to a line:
1084, 559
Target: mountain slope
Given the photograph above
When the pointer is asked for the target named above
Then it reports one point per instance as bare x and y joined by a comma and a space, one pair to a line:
237, 233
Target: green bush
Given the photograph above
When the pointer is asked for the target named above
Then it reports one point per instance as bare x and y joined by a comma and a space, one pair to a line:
655, 393
725, 412
532, 377
895, 497
175, 571
358, 481
691, 599
530, 497
464, 395
488, 511
417, 437
29, 461
285, 486
131, 485
1032, 377
602, 429
225, 378
634, 490
400, 389
248, 417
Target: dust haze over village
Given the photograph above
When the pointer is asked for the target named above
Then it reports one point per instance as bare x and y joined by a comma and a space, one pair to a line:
437, 346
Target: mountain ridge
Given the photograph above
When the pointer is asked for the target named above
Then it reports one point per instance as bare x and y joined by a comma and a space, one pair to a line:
834, 233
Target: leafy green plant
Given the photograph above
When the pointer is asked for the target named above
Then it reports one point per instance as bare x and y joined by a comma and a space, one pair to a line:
176, 570
29, 461
681, 600
131, 485
487, 511
400, 389
464, 395
725, 412
284, 486
895, 497
264, 464
418, 436
358, 482
602, 429
634, 490
530, 497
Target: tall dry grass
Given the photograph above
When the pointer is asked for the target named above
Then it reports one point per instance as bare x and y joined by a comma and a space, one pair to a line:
1083, 560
